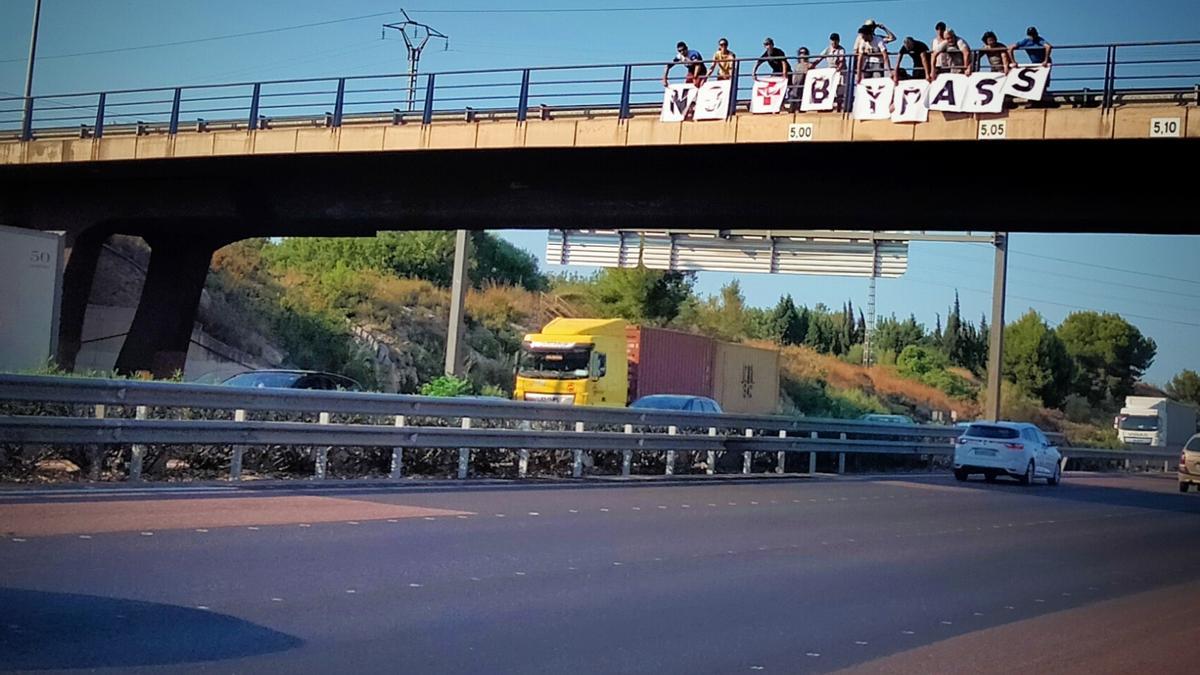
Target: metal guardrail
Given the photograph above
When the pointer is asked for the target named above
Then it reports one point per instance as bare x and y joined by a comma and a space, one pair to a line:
1092, 75
657, 431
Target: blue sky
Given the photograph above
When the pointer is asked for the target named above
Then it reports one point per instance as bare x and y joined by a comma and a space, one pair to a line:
1168, 309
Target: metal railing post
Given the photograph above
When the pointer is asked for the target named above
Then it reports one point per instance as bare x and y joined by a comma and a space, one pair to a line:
627, 455
464, 454
523, 102
712, 454
748, 456
851, 83
397, 469
841, 457
523, 453
626, 91
781, 456
339, 102
239, 451
174, 126
427, 114
254, 99
138, 453
96, 463
577, 456
733, 90
322, 460
670, 470
99, 132
27, 120
812, 456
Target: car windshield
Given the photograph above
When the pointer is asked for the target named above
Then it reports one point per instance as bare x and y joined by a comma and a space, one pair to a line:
556, 364
1139, 423
662, 403
991, 431
1193, 445
264, 380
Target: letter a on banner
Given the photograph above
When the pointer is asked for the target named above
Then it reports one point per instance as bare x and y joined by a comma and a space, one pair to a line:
873, 99
1027, 82
768, 95
948, 92
985, 93
820, 90
712, 102
677, 99
910, 103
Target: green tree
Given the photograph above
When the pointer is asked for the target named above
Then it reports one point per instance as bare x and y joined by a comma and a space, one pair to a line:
788, 325
1110, 354
893, 336
1036, 360
1185, 387
641, 295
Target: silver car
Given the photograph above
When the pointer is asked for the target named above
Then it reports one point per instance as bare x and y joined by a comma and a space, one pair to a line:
1189, 464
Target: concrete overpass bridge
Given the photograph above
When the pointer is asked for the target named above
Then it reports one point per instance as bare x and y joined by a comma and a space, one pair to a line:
191, 169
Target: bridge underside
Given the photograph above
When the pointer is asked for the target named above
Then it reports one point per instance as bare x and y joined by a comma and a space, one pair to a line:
187, 208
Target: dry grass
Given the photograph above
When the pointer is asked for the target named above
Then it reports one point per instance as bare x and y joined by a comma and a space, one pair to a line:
880, 381
495, 305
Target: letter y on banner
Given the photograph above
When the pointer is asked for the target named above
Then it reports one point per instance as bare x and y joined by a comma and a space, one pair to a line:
712, 103
768, 95
677, 100
873, 99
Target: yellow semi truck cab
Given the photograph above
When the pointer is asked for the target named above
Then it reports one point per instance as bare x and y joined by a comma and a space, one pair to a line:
575, 362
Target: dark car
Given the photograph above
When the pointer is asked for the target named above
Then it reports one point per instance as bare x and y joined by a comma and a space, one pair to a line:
678, 402
293, 379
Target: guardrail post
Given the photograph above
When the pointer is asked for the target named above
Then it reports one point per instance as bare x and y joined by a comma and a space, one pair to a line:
712, 455
27, 120
842, 457
627, 455
254, 99
781, 456
670, 470
99, 132
235, 462
1110, 77
626, 90
427, 114
523, 101
747, 456
96, 463
322, 459
812, 456
523, 453
339, 102
174, 126
138, 453
577, 456
397, 468
464, 454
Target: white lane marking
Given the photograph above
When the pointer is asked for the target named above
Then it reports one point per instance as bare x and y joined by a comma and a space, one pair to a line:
978, 613
147, 534
85, 536
520, 574
534, 513
685, 506
17, 539
276, 599
1009, 607
414, 585
907, 632
205, 607
658, 560
603, 510
712, 504
252, 528
573, 510
947, 623
499, 515
814, 654
462, 517
390, 520
757, 668
860, 642
753, 503
661, 506
733, 503
1038, 600
571, 569
355, 522
202, 530
476, 579
426, 518
351, 591
310, 524
616, 564
637, 508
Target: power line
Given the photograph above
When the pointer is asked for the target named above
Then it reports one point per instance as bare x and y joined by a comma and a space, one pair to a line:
659, 8
212, 38
1106, 267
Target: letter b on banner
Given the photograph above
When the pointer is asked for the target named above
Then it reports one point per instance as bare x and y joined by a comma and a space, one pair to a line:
820, 90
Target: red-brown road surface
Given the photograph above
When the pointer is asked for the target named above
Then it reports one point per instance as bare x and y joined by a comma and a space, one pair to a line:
902, 574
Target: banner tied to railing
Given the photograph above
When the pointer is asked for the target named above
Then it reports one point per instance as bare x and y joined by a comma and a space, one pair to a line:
874, 99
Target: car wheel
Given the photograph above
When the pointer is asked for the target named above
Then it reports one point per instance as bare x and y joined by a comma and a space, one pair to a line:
1029, 473
1183, 487
960, 474
990, 477
1057, 477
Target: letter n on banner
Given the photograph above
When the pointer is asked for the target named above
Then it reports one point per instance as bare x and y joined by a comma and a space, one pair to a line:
768, 95
873, 99
910, 103
712, 102
677, 99
948, 92
1027, 82
820, 90
985, 93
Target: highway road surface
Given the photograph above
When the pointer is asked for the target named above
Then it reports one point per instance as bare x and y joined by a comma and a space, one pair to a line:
911, 574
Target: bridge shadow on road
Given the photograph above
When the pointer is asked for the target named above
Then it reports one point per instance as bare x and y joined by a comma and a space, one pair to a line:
1159, 494
62, 631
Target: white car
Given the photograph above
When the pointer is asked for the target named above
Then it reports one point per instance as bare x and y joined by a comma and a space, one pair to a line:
1015, 449
1189, 464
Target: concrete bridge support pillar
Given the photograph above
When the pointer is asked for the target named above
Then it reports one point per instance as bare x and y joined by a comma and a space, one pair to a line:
162, 326
83, 253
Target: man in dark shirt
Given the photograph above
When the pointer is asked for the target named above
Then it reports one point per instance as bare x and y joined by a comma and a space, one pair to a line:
919, 53
774, 57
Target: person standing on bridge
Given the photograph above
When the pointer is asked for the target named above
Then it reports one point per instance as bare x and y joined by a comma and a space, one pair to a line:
941, 60
996, 52
922, 68
723, 60
774, 57
872, 53
835, 53
692, 60
1036, 48
804, 64
957, 51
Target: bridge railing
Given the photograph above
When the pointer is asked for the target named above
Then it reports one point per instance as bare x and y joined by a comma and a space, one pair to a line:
144, 414
1096, 75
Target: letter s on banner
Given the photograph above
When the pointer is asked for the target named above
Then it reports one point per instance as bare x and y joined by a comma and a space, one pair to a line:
677, 98
820, 90
712, 101
1027, 82
873, 99
984, 93
910, 103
